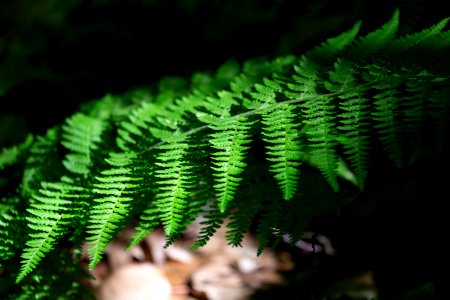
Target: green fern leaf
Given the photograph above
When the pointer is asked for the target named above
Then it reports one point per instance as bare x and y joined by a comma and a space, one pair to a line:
49, 219
212, 220
270, 219
354, 119
375, 40
175, 184
417, 39
414, 108
150, 220
230, 139
284, 150
82, 134
254, 70
9, 156
42, 162
307, 76
387, 118
241, 219
42, 242
263, 94
11, 228
332, 46
319, 120
116, 188
132, 133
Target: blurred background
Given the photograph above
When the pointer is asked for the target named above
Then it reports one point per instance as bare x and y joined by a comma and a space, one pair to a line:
57, 54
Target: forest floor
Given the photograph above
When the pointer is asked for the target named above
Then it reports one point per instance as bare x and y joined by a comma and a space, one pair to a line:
219, 271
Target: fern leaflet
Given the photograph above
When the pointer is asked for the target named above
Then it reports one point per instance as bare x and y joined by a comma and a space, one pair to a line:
282, 133
81, 134
115, 188
49, 219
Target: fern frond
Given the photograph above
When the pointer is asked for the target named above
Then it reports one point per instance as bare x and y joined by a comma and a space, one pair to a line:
131, 133
175, 183
414, 107
11, 228
333, 46
318, 114
116, 189
169, 88
417, 39
42, 163
257, 69
375, 40
307, 77
354, 119
229, 140
270, 219
60, 279
387, 117
281, 132
212, 220
81, 135
49, 218
201, 194
49, 226
441, 41
10, 156
241, 219
150, 220
263, 94
203, 85
319, 119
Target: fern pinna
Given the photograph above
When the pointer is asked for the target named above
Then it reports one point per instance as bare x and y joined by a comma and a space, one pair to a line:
214, 148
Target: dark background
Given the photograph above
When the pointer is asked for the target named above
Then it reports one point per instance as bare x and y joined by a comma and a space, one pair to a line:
56, 54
